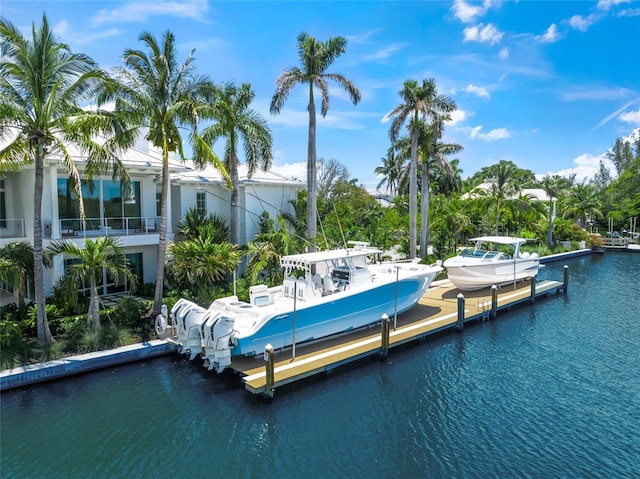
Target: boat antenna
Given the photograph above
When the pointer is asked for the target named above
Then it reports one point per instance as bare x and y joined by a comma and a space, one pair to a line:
339, 225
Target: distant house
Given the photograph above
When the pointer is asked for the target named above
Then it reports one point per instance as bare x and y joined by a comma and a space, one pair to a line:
134, 220
207, 190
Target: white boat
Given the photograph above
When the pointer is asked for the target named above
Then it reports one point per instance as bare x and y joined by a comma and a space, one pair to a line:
323, 293
483, 265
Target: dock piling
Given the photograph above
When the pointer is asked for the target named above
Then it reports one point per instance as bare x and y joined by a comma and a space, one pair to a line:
565, 282
385, 325
532, 297
494, 301
268, 357
460, 322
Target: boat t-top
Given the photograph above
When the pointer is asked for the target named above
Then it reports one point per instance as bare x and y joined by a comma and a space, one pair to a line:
323, 293
485, 265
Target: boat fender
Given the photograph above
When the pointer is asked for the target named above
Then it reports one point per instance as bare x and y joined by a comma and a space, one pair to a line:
161, 324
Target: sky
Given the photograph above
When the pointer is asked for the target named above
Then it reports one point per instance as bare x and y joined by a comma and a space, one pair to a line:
548, 85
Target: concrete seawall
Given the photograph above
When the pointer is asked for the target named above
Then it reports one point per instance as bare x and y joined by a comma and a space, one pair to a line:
34, 373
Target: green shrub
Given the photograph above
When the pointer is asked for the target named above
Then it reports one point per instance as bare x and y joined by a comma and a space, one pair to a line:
113, 336
128, 311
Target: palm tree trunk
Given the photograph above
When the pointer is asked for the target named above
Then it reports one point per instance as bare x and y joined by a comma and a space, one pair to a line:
94, 306
413, 193
424, 210
550, 227
234, 223
162, 240
44, 333
312, 193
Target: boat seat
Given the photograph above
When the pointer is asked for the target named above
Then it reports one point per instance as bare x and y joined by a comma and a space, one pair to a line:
327, 282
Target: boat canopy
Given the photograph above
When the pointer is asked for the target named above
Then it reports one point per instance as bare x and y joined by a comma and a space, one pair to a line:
305, 260
512, 240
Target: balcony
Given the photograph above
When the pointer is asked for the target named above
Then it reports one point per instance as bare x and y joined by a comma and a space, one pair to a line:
92, 227
12, 228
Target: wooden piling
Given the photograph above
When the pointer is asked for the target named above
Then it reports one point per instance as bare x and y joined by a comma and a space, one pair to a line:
460, 322
532, 296
270, 379
385, 326
494, 301
565, 282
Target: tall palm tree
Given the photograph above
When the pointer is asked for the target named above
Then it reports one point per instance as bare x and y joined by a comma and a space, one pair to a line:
16, 266
582, 202
160, 95
503, 188
315, 58
418, 101
103, 253
391, 171
238, 124
554, 186
42, 83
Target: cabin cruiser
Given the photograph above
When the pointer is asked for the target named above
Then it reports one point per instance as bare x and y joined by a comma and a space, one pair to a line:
323, 293
484, 265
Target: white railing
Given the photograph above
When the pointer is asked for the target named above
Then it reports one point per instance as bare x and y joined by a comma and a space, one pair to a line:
91, 227
12, 228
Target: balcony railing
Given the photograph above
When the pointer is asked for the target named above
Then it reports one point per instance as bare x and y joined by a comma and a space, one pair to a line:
91, 227
12, 228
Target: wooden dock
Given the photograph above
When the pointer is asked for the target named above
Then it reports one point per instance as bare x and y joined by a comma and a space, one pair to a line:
442, 307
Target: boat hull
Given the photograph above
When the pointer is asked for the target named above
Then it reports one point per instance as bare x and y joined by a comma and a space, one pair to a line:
345, 313
474, 276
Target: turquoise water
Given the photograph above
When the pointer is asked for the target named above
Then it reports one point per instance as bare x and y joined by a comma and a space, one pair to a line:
551, 390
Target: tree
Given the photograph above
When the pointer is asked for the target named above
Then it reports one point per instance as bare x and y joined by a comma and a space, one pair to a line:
554, 186
237, 124
391, 172
418, 102
16, 266
160, 95
103, 253
315, 58
42, 83
581, 203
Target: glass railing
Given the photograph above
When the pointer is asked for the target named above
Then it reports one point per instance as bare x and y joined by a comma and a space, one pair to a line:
90, 227
12, 228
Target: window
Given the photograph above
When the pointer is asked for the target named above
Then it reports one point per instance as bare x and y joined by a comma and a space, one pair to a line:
201, 202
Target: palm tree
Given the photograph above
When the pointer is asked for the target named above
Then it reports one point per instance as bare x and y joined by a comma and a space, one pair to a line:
315, 58
418, 101
503, 188
582, 202
16, 266
41, 84
391, 172
105, 254
160, 95
236, 123
554, 186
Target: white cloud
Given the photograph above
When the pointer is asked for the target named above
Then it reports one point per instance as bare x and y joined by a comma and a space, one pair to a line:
385, 52
493, 135
586, 166
578, 22
297, 171
605, 4
632, 117
477, 90
550, 36
467, 13
484, 34
504, 53
140, 11
457, 116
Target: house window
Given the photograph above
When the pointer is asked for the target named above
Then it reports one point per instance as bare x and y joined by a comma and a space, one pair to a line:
201, 202
3, 205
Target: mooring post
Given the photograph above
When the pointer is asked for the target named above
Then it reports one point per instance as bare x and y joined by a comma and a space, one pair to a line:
532, 297
494, 301
460, 324
268, 357
566, 279
385, 322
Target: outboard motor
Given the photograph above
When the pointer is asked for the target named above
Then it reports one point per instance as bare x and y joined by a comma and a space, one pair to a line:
218, 343
190, 319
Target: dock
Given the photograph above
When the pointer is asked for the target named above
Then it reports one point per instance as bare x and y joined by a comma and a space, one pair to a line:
441, 308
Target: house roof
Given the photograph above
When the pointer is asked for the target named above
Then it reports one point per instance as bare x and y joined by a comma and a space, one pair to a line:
211, 175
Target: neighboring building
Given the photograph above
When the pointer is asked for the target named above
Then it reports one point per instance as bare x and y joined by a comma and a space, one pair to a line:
207, 190
136, 220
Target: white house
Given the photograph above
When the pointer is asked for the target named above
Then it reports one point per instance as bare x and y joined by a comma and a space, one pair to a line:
136, 220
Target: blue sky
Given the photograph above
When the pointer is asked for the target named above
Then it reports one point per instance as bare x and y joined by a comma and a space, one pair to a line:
547, 85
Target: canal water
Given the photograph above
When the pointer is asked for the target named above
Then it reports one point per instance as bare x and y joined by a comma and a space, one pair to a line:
549, 390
